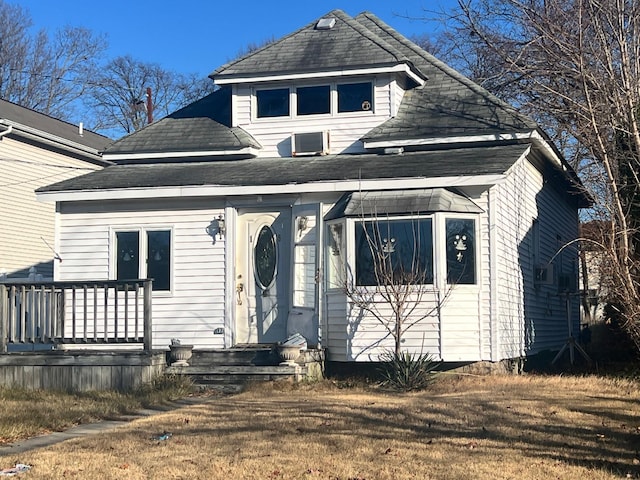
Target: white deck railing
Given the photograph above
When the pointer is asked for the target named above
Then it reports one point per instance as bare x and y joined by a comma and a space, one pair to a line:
75, 313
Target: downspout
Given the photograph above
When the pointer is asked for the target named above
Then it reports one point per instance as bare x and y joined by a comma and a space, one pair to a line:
7, 131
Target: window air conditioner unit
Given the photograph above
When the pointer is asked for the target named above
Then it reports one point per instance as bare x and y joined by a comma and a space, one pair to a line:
314, 143
544, 275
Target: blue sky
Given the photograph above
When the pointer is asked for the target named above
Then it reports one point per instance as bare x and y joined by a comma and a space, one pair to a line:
196, 36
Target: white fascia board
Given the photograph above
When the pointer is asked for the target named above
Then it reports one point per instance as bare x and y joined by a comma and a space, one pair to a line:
445, 140
115, 157
253, 190
49, 139
402, 67
548, 150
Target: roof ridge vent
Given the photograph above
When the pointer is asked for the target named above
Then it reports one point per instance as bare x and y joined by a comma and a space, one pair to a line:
326, 23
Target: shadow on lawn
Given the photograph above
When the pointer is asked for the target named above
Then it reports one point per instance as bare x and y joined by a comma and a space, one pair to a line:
596, 432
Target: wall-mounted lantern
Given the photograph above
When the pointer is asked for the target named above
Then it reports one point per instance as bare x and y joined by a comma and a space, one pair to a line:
217, 228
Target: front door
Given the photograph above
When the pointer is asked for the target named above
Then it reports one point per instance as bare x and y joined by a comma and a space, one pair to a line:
262, 275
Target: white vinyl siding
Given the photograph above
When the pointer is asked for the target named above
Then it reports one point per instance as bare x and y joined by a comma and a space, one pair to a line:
274, 134
530, 318
195, 306
27, 224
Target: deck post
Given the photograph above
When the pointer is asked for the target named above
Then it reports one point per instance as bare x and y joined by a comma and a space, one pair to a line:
4, 319
147, 344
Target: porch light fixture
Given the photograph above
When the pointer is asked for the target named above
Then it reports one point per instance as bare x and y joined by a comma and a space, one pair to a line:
222, 229
217, 228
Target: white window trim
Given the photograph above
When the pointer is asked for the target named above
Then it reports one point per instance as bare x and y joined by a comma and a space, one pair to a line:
442, 238
254, 104
351, 245
438, 232
293, 100
142, 259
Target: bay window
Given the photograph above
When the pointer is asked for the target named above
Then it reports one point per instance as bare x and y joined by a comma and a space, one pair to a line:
402, 250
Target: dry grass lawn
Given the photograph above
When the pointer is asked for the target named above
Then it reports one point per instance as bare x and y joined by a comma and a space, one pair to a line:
495, 427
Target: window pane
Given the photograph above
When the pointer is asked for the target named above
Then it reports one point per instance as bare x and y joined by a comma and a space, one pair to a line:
355, 97
396, 252
304, 278
461, 255
159, 259
127, 261
314, 100
265, 257
335, 256
273, 103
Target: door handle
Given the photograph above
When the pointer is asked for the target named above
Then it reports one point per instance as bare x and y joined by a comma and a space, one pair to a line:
239, 290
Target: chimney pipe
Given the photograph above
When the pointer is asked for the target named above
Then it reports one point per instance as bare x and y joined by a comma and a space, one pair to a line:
149, 106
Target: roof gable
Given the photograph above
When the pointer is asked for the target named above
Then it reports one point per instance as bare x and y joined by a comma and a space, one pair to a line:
348, 45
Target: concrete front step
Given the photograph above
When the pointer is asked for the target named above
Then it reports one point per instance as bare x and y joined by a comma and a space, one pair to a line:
232, 378
259, 355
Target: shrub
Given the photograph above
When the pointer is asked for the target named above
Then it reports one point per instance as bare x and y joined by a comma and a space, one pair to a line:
406, 371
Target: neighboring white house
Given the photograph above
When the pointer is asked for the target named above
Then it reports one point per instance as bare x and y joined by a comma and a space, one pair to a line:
248, 206
36, 150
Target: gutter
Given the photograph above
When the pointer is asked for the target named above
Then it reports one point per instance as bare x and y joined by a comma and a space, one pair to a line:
7, 131
49, 139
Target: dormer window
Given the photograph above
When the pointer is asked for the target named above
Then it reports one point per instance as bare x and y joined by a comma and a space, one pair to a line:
314, 100
328, 99
355, 97
272, 102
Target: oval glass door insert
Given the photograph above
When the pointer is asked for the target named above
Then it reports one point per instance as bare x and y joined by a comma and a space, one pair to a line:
265, 257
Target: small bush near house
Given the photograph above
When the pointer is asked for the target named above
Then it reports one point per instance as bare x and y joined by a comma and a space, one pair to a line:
407, 372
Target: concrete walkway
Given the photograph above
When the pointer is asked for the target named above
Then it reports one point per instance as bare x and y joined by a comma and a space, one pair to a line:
92, 428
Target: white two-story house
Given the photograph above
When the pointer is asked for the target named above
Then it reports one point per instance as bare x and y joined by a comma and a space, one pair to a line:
262, 209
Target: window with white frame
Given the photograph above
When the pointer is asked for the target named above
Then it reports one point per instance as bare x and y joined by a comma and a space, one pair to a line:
272, 102
314, 100
394, 251
460, 234
144, 253
335, 255
355, 97
324, 99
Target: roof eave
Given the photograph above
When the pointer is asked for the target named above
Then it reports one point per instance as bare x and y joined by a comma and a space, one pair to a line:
250, 152
339, 186
41, 136
402, 67
462, 139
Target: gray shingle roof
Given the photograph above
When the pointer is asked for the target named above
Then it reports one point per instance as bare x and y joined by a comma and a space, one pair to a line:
390, 202
449, 104
348, 45
52, 126
285, 171
201, 126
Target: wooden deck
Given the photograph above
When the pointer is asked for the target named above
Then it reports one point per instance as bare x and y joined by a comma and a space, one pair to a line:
80, 336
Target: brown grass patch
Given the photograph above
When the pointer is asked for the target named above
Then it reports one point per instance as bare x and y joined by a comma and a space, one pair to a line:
495, 427
28, 413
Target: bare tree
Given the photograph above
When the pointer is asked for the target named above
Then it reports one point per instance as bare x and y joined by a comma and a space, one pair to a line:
574, 65
118, 97
393, 281
47, 74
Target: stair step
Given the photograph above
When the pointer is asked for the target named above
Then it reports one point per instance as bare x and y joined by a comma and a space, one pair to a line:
235, 356
232, 378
